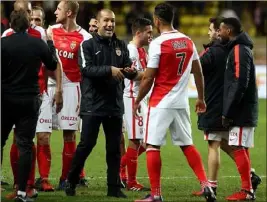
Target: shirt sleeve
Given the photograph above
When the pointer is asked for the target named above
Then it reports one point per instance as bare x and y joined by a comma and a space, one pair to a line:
195, 53
153, 55
134, 56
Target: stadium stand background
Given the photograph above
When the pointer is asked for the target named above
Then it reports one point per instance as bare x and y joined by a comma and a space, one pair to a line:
191, 17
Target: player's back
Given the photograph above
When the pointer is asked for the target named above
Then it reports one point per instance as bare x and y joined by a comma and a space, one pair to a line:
175, 53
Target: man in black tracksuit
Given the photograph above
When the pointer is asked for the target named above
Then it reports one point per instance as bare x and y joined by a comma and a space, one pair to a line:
102, 60
22, 56
240, 101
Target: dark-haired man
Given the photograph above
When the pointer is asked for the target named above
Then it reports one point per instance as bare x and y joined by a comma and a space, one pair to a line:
22, 57
142, 35
240, 101
92, 24
172, 57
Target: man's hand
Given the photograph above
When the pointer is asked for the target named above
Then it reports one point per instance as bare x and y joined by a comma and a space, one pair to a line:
116, 73
200, 106
136, 108
58, 99
49, 33
226, 122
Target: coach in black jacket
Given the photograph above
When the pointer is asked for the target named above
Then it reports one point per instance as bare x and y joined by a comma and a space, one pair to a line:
102, 60
240, 103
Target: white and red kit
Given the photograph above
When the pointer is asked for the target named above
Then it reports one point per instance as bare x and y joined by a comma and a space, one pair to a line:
134, 124
67, 45
172, 53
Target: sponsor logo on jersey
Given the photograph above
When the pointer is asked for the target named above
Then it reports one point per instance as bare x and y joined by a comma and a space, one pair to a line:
66, 54
69, 118
45, 120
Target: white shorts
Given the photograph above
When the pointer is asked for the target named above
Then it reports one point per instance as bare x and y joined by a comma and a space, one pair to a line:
134, 124
69, 118
44, 123
241, 136
158, 121
216, 135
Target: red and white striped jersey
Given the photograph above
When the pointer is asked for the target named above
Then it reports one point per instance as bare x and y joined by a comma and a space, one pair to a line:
172, 53
139, 58
37, 32
67, 45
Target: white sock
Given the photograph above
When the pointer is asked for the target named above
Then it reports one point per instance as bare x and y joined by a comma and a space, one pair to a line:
22, 193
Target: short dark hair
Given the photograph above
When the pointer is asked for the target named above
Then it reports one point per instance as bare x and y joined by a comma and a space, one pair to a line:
216, 22
34, 8
234, 24
139, 24
165, 12
20, 21
92, 17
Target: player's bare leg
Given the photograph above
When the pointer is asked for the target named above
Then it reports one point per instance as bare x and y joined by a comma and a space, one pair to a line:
44, 160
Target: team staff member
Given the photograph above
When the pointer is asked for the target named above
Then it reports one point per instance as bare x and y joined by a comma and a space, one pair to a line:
22, 58
102, 62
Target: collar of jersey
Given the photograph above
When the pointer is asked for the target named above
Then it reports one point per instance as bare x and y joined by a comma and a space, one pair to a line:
169, 32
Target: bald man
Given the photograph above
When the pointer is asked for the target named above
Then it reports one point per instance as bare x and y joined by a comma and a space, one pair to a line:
103, 73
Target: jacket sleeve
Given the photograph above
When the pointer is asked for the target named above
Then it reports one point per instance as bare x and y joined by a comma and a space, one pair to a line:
207, 60
87, 67
241, 64
127, 62
48, 55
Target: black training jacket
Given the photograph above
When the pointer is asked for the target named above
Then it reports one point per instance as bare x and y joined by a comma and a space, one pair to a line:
102, 95
213, 62
240, 90
22, 56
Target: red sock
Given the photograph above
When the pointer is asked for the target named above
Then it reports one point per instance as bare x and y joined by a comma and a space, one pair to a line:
195, 162
131, 161
67, 155
153, 161
243, 166
14, 156
248, 155
44, 160
82, 175
32, 173
141, 150
123, 175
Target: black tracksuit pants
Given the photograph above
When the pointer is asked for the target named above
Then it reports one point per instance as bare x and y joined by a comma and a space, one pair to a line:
90, 128
23, 113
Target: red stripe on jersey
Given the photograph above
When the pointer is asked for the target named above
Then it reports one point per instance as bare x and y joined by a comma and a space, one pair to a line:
203, 52
142, 57
147, 121
240, 136
237, 61
133, 121
172, 65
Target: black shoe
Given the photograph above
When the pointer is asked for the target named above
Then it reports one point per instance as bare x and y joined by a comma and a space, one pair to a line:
116, 193
20, 198
214, 189
61, 185
123, 184
70, 189
83, 182
255, 180
4, 183
209, 194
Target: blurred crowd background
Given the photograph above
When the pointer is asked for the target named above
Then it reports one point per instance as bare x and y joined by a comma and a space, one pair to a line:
191, 17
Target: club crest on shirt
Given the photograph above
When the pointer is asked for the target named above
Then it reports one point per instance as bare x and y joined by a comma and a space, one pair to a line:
73, 45
118, 52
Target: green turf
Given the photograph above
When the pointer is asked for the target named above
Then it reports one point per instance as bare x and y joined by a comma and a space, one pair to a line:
178, 179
